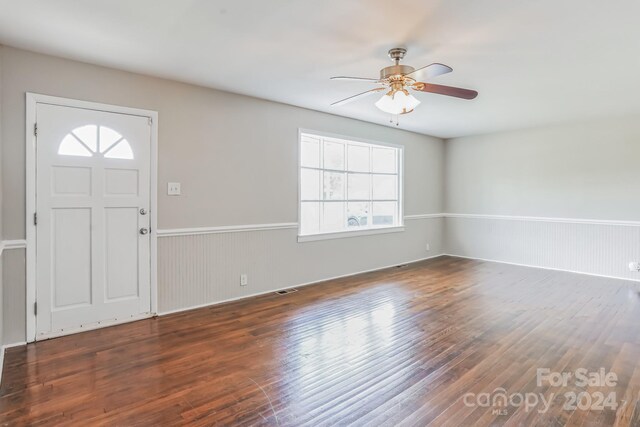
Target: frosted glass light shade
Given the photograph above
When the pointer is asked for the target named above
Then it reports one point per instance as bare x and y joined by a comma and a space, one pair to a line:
398, 103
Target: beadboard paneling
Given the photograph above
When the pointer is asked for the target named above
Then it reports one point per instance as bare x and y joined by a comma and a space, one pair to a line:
202, 269
14, 288
592, 248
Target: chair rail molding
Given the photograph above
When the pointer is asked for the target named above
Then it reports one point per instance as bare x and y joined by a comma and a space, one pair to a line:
172, 232
545, 219
12, 244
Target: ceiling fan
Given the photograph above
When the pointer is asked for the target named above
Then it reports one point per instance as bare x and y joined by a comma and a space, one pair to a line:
397, 79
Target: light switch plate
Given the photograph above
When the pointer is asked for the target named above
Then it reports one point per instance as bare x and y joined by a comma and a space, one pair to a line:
173, 189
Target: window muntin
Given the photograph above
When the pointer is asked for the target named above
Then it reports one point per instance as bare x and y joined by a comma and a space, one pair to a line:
348, 185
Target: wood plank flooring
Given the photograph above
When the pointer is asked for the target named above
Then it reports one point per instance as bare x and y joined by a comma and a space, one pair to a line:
418, 345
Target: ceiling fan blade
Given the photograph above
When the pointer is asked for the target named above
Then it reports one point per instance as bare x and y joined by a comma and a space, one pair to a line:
358, 96
360, 79
430, 71
446, 90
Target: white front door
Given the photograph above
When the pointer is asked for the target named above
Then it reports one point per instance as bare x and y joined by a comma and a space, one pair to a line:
92, 232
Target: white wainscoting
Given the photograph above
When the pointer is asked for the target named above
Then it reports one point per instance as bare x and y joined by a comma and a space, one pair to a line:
202, 266
199, 269
596, 247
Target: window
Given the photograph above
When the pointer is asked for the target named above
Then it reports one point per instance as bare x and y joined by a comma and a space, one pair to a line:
348, 187
88, 140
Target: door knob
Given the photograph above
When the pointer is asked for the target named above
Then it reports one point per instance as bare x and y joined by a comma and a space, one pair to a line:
143, 211
144, 230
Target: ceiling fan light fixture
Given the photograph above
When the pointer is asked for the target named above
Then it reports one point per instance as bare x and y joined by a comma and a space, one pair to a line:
398, 102
398, 78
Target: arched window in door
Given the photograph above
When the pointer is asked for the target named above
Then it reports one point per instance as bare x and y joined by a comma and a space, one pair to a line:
90, 140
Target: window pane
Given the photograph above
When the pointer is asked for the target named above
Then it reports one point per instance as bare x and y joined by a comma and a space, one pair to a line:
310, 217
385, 213
88, 135
333, 155
108, 137
385, 187
309, 184
310, 152
358, 214
70, 146
333, 215
384, 160
359, 186
333, 186
358, 158
122, 150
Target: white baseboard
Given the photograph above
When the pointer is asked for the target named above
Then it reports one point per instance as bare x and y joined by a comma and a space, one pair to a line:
543, 268
315, 282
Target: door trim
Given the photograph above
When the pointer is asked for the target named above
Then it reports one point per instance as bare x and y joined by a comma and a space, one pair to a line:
32, 100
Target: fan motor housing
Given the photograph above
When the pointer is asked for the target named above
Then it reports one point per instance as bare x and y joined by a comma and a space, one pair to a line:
395, 70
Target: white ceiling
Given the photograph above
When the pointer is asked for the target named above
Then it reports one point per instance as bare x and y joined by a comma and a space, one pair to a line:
533, 62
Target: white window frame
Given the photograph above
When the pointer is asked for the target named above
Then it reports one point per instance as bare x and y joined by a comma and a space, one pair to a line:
399, 227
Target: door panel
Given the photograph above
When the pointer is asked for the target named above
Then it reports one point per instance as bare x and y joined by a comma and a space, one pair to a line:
92, 198
71, 180
121, 182
121, 264
71, 257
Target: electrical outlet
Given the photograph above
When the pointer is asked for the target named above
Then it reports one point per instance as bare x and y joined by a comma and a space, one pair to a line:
428, 247
634, 266
244, 280
173, 189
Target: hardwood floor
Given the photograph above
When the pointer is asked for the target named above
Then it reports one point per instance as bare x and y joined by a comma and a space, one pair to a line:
417, 345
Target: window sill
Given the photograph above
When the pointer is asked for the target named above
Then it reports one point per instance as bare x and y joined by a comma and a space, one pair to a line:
346, 234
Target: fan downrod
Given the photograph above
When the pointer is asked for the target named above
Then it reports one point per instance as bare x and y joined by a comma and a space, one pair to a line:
397, 54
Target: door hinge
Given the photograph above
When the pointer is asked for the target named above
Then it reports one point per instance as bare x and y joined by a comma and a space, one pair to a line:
150, 121
35, 308
35, 218
35, 129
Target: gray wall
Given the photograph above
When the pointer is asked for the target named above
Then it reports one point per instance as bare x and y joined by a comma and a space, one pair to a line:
584, 170
236, 158
581, 178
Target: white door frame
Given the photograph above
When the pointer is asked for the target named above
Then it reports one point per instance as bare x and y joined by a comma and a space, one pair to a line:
32, 99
